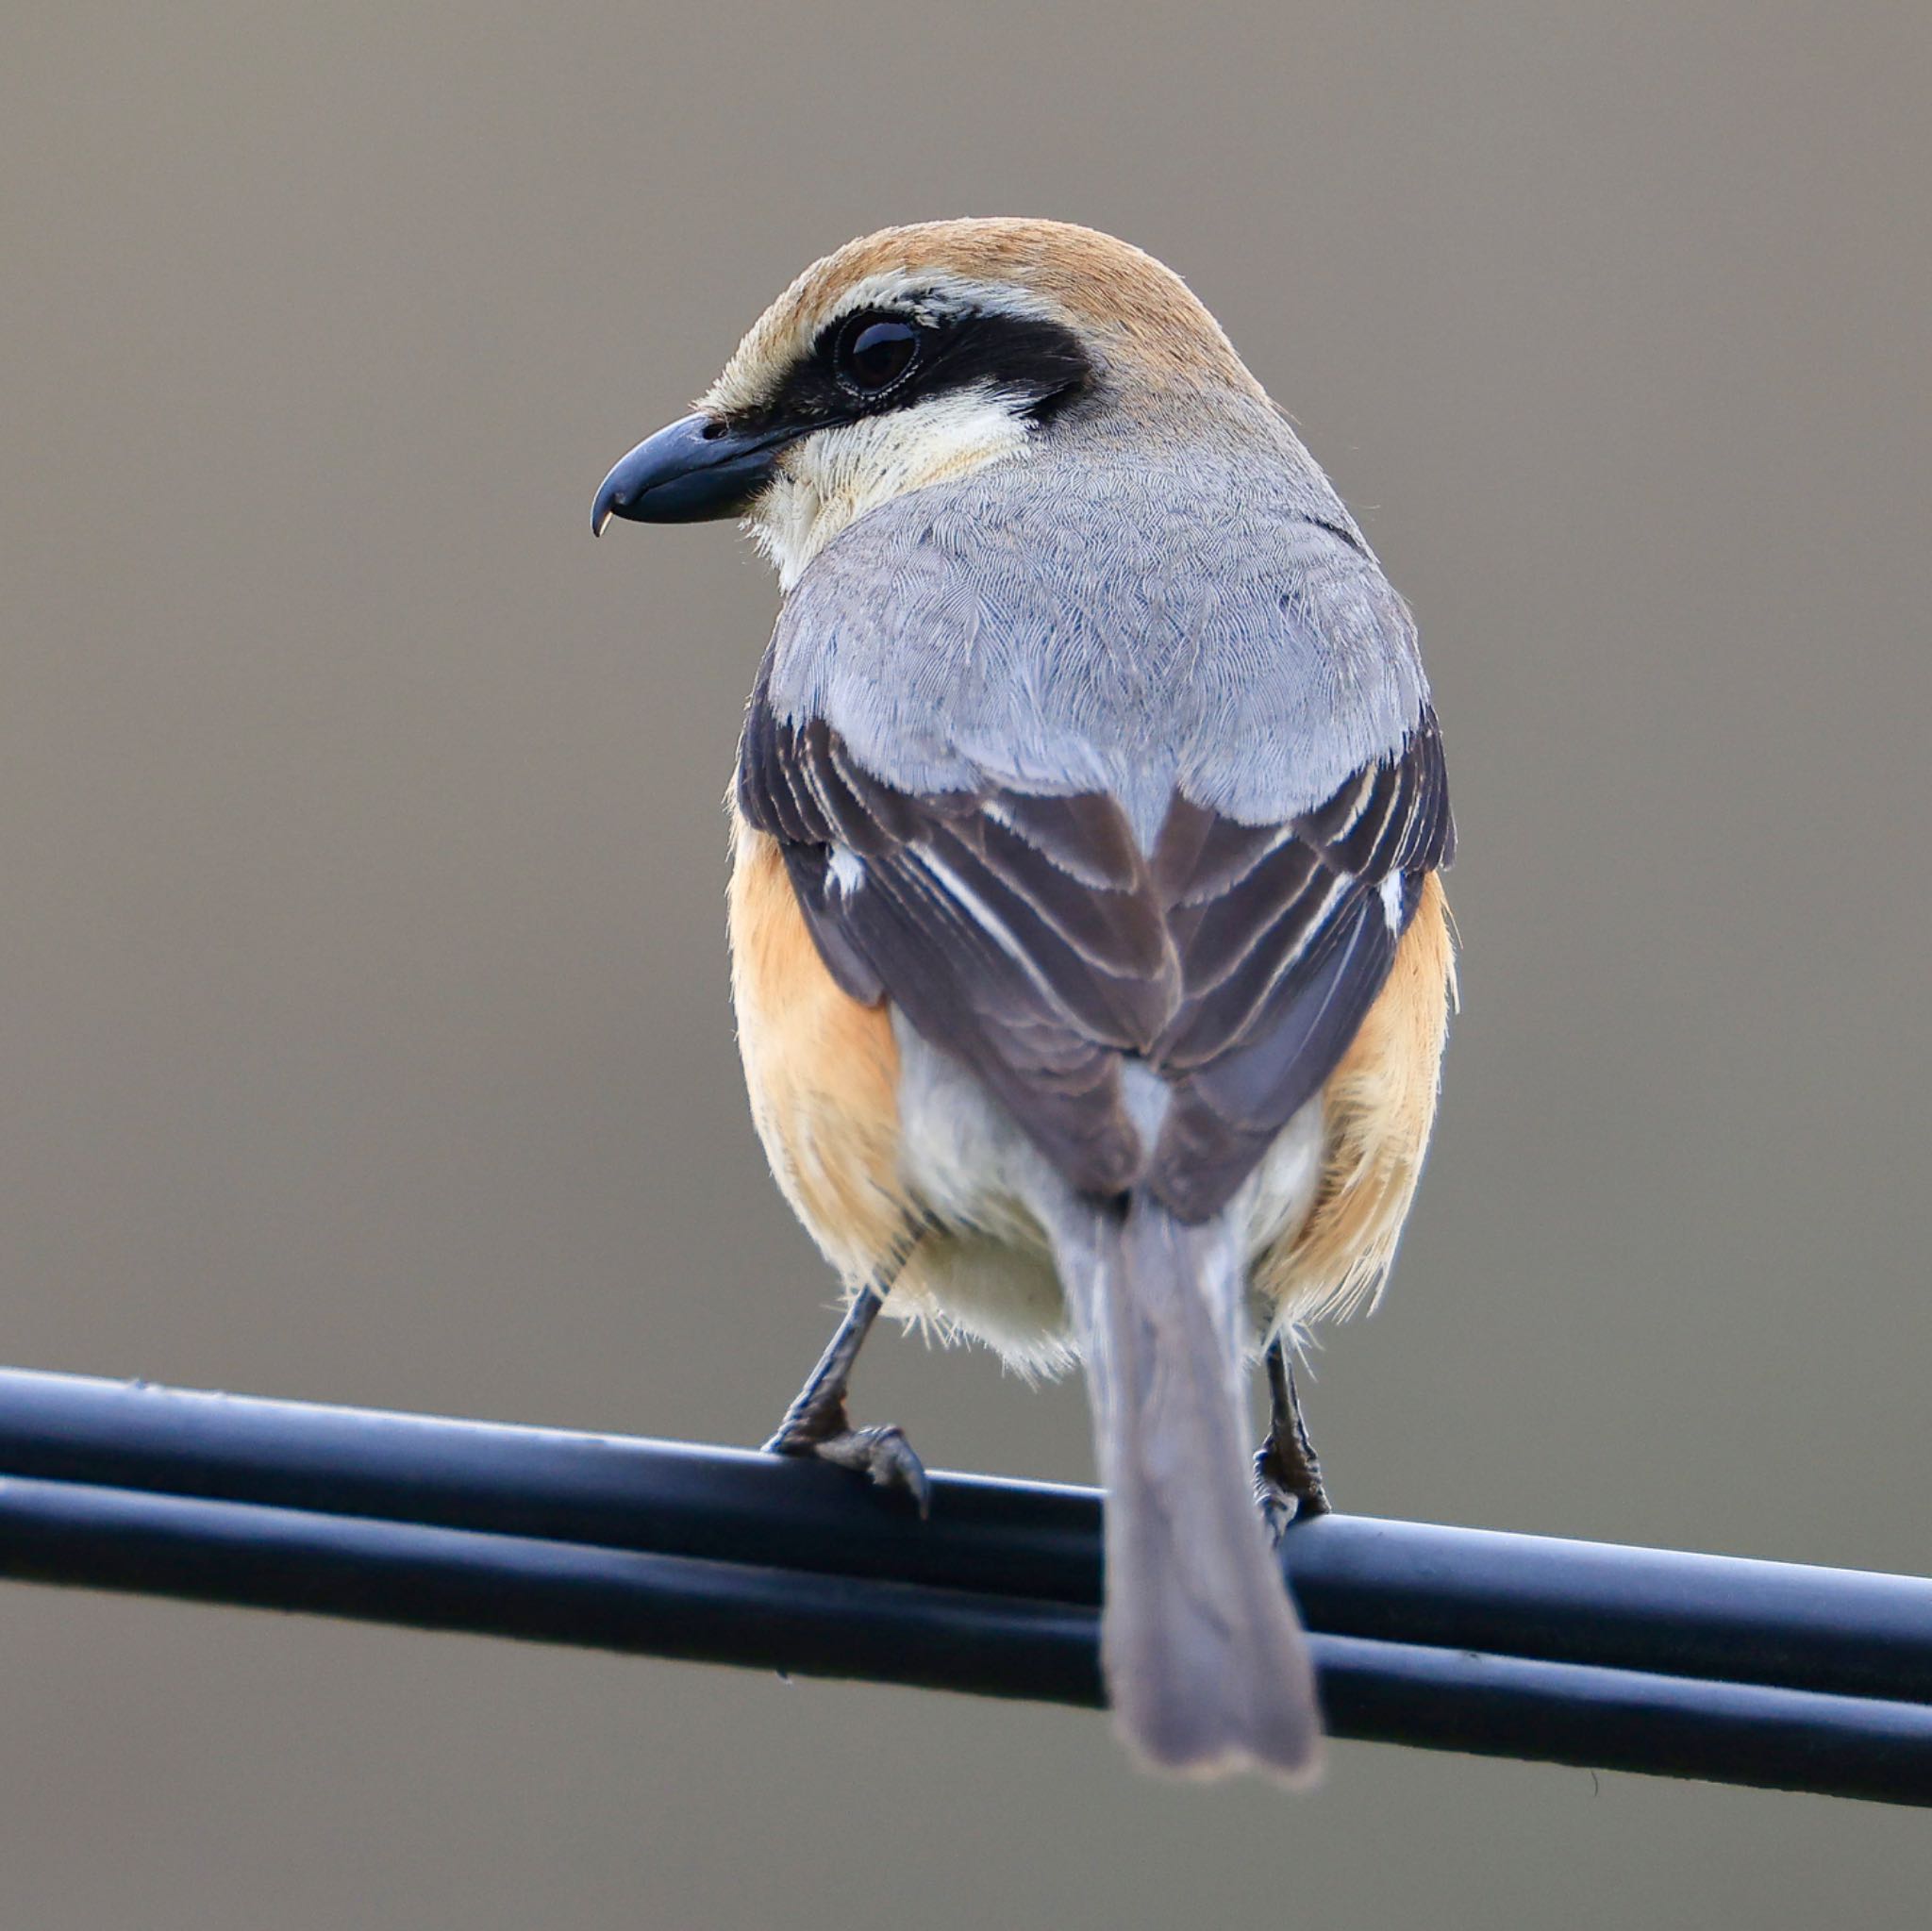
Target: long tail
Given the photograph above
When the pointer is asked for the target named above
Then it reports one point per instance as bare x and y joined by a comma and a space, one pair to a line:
1207, 1665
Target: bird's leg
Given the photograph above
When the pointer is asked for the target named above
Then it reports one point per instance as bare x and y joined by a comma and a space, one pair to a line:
819, 1424
1287, 1472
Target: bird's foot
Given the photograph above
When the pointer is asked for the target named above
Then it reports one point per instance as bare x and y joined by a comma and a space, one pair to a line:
1288, 1488
882, 1453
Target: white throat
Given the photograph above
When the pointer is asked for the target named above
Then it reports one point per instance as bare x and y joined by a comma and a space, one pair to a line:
828, 479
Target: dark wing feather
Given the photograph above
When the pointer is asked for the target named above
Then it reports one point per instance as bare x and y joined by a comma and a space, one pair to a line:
1285, 959
1020, 934
1029, 937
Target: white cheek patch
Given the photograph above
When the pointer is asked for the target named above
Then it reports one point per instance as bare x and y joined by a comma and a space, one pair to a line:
828, 479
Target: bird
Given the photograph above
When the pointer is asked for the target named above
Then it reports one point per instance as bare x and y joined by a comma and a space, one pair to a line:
1090, 956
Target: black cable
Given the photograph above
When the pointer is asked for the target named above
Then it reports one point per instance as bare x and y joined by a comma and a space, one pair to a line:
1845, 1631
1578, 1653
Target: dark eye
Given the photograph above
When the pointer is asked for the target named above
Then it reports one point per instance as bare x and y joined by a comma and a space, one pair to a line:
875, 352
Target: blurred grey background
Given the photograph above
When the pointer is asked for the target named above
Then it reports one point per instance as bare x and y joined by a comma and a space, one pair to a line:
363, 1032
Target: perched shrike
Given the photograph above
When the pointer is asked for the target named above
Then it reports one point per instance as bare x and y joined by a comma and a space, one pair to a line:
1091, 964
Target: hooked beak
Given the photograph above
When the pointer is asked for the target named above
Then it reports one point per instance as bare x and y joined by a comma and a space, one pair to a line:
696, 470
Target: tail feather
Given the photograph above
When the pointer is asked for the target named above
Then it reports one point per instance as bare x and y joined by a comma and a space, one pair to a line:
1206, 1666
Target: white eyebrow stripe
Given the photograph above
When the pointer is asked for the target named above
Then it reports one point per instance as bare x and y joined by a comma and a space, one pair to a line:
934, 290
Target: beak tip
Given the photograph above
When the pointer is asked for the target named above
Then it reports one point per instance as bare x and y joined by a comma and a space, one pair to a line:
692, 472
605, 503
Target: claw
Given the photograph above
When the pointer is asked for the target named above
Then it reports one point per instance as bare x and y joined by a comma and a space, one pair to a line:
1281, 1500
885, 1456
1276, 1505
882, 1453
1287, 1472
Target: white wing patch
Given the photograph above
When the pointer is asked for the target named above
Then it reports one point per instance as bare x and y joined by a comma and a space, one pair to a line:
848, 871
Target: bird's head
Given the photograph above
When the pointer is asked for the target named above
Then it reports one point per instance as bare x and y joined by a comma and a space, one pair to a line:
920, 353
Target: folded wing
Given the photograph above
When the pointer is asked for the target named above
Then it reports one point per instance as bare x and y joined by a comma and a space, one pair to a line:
1031, 936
